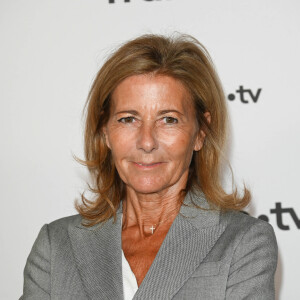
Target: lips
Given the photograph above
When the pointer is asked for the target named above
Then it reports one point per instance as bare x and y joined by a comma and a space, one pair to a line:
147, 165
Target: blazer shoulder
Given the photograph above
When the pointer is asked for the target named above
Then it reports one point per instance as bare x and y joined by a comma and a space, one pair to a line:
50, 252
243, 221
63, 224
253, 258
240, 226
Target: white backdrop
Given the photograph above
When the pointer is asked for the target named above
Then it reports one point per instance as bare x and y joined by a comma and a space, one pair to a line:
50, 51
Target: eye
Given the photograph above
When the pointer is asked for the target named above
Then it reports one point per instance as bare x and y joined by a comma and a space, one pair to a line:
126, 120
170, 120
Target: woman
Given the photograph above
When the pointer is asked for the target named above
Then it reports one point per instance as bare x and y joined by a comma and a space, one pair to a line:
161, 226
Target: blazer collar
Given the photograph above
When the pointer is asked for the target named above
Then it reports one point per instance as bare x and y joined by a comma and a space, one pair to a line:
97, 251
197, 211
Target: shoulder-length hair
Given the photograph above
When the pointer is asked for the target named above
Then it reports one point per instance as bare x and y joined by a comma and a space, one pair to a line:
181, 57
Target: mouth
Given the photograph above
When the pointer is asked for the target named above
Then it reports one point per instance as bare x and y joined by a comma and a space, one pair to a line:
142, 165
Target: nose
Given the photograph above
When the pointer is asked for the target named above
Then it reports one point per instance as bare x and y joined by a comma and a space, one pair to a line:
146, 139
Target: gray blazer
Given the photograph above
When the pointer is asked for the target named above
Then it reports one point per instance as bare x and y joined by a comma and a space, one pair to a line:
205, 255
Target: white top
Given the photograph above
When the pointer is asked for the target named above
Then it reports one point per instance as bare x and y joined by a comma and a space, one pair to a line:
130, 285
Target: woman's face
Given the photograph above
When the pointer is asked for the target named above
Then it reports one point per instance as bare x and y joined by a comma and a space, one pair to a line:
152, 133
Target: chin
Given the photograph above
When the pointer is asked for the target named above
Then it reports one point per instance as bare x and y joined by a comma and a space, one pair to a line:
147, 187
147, 191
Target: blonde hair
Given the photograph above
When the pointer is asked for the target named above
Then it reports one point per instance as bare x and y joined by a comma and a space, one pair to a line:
181, 57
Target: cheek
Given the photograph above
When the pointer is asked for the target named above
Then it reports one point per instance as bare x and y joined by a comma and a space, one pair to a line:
179, 145
121, 142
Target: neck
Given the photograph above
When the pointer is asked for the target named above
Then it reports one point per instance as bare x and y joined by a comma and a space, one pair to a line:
149, 212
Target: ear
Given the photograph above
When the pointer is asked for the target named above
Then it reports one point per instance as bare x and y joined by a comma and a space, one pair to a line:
105, 133
201, 135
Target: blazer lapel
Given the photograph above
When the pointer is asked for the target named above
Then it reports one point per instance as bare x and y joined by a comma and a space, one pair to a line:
190, 238
97, 251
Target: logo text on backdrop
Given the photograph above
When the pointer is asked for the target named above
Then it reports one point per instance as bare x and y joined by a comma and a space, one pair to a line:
245, 95
279, 211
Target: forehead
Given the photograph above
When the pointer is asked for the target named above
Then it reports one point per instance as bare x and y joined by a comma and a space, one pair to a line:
152, 91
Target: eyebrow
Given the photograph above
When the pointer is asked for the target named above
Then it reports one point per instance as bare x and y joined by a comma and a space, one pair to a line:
161, 112
132, 112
